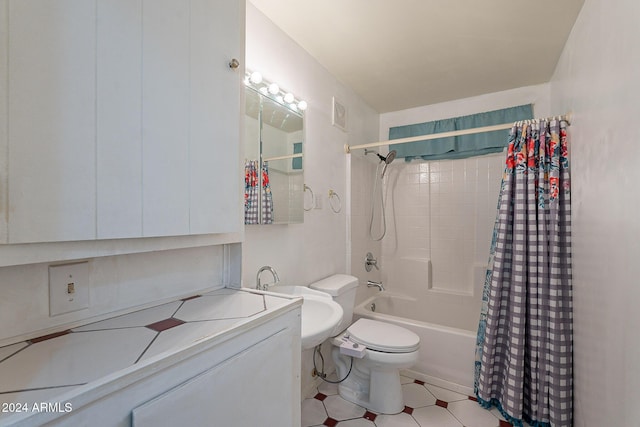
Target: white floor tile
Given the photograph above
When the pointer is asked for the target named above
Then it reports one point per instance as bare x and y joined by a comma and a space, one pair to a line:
497, 413
313, 412
470, 414
405, 380
398, 420
137, 318
416, 396
435, 416
339, 409
358, 422
444, 394
328, 388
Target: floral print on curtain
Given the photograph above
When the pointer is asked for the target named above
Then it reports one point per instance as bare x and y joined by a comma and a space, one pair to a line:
267, 196
251, 194
524, 346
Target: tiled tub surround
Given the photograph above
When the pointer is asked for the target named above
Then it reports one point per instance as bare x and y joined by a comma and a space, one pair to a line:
440, 217
60, 367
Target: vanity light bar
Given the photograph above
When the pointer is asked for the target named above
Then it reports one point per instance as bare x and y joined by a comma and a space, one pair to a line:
255, 80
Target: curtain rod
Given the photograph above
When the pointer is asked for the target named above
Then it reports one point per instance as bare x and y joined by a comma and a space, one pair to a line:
348, 148
289, 156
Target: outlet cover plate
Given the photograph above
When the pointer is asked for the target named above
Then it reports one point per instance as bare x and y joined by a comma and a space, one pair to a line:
68, 288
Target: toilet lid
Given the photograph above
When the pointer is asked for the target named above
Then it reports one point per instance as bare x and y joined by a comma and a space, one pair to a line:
383, 336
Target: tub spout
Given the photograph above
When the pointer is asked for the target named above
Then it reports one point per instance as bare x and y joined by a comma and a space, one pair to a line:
372, 284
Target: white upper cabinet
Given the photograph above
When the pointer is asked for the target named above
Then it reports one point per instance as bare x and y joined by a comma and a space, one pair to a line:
120, 118
51, 120
165, 117
119, 112
212, 171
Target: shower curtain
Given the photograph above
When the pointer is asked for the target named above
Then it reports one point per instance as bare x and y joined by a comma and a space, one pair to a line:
252, 195
524, 345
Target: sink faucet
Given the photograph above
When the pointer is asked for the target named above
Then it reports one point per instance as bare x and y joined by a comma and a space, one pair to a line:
265, 287
372, 284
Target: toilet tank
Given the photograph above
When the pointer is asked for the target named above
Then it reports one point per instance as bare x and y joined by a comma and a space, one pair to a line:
342, 289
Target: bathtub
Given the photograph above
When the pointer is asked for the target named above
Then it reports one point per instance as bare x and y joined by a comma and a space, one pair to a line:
447, 353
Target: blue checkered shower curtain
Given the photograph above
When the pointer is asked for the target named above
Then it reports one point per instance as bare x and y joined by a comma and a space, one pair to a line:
524, 345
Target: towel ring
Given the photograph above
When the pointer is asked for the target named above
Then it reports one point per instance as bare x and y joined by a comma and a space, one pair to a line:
332, 196
313, 198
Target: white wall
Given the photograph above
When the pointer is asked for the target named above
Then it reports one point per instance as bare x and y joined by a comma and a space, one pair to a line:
362, 171
537, 95
116, 283
597, 79
302, 253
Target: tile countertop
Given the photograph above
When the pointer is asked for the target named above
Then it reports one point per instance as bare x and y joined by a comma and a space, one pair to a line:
50, 368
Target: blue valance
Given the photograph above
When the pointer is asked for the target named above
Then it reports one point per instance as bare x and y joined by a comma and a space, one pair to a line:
458, 147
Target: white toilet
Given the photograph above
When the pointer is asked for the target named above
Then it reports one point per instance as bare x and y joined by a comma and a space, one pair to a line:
374, 380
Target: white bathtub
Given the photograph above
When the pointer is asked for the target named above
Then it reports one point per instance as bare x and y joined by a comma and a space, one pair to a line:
447, 353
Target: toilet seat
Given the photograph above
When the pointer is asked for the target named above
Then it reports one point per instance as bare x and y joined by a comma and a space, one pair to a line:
385, 337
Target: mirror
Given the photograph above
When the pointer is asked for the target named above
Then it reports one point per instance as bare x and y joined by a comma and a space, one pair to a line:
274, 180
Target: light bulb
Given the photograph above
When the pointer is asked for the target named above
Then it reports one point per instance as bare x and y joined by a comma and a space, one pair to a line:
256, 78
302, 105
274, 88
289, 98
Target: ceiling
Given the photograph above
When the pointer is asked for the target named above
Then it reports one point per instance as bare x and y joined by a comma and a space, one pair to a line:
408, 53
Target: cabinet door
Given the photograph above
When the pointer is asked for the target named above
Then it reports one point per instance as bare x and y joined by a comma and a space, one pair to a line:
119, 126
52, 79
123, 118
217, 34
165, 117
257, 387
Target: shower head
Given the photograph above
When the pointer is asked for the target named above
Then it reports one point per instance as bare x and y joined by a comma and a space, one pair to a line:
388, 158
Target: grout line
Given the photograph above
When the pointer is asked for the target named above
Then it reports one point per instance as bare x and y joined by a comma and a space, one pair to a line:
147, 348
17, 351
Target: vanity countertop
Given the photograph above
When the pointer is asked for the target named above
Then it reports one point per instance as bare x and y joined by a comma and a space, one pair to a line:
49, 370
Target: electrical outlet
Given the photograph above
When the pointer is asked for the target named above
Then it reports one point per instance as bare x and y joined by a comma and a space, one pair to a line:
68, 288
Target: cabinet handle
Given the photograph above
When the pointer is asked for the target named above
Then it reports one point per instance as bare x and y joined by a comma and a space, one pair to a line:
234, 64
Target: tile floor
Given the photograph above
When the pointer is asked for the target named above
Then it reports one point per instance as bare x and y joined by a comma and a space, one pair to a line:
426, 406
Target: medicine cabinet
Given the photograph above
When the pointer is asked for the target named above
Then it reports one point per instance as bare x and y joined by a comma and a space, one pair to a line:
274, 174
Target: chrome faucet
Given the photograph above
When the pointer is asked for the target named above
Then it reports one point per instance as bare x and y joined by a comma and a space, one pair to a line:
265, 287
372, 284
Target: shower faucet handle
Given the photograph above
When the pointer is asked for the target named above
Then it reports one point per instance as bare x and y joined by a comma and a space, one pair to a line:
370, 261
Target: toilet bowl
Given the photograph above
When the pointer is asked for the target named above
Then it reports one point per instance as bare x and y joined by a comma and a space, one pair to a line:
372, 378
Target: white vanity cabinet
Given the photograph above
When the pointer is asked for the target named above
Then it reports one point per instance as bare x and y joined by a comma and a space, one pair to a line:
251, 378
119, 118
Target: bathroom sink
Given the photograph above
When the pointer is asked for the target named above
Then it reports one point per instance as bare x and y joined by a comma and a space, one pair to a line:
320, 314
